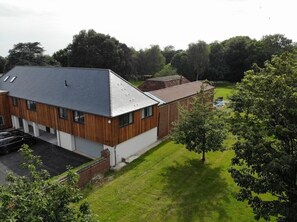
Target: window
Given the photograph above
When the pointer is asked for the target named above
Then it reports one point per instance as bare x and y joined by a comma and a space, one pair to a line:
79, 117
31, 105
12, 79
1, 121
15, 101
6, 78
126, 119
62, 113
147, 112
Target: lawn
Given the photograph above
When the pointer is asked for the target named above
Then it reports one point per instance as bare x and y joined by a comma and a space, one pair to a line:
136, 83
224, 89
170, 183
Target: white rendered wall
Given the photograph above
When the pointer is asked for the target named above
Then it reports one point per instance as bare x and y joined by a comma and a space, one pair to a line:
65, 140
132, 146
15, 122
42, 127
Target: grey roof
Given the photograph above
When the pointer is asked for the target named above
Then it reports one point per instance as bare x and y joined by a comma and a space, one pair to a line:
97, 91
178, 92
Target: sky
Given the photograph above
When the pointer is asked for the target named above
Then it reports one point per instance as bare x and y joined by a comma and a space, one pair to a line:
141, 23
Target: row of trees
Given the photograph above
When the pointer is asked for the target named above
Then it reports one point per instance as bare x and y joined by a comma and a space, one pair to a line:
264, 123
225, 60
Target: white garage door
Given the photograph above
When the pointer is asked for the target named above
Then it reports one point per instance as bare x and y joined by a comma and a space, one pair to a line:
88, 147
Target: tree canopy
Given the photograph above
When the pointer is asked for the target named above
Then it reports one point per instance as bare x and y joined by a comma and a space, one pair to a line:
200, 129
198, 59
150, 61
265, 125
30, 53
96, 50
35, 197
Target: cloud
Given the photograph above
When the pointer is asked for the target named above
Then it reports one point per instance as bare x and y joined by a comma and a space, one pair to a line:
7, 10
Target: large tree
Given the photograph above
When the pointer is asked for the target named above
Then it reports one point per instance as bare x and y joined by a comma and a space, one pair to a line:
180, 63
29, 53
265, 124
200, 129
198, 59
150, 61
218, 68
2, 64
168, 52
62, 56
237, 57
36, 198
96, 50
275, 45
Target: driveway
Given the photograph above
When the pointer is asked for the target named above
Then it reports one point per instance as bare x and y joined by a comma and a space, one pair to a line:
55, 160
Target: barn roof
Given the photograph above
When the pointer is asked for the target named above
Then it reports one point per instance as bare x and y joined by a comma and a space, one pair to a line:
178, 92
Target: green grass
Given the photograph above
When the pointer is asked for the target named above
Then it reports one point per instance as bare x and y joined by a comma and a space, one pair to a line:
169, 183
136, 83
223, 89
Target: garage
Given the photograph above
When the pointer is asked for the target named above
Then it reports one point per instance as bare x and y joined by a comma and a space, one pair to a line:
88, 147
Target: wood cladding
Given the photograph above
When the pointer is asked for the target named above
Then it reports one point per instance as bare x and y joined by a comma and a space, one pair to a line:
168, 113
100, 129
4, 111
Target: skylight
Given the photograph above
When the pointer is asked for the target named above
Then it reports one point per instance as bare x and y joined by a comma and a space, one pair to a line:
6, 78
12, 79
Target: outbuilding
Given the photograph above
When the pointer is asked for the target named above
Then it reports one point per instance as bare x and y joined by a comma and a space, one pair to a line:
171, 98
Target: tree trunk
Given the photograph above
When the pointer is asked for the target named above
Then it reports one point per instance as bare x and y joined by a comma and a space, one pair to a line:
203, 149
203, 156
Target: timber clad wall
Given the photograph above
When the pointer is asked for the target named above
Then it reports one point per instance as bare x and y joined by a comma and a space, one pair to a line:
4, 111
168, 113
95, 128
138, 126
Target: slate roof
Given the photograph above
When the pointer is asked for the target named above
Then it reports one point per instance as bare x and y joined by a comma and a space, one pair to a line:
97, 91
178, 92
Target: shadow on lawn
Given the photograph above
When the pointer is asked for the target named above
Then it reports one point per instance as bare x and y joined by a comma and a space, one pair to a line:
196, 190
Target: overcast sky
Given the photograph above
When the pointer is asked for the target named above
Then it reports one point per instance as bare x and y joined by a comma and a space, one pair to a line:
141, 23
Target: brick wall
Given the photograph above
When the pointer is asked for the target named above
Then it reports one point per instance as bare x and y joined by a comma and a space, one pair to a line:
100, 166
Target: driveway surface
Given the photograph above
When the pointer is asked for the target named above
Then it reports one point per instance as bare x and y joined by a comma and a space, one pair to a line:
55, 160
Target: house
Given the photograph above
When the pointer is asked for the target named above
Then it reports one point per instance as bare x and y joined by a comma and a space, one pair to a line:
171, 98
85, 110
162, 82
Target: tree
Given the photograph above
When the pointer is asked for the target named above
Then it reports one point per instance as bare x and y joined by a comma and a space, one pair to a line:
36, 198
217, 65
198, 59
275, 45
200, 129
168, 52
237, 57
150, 61
2, 64
28, 54
180, 63
62, 56
96, 50
167, 70
265, 125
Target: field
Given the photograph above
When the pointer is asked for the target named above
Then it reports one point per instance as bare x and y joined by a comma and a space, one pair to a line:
223, 89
